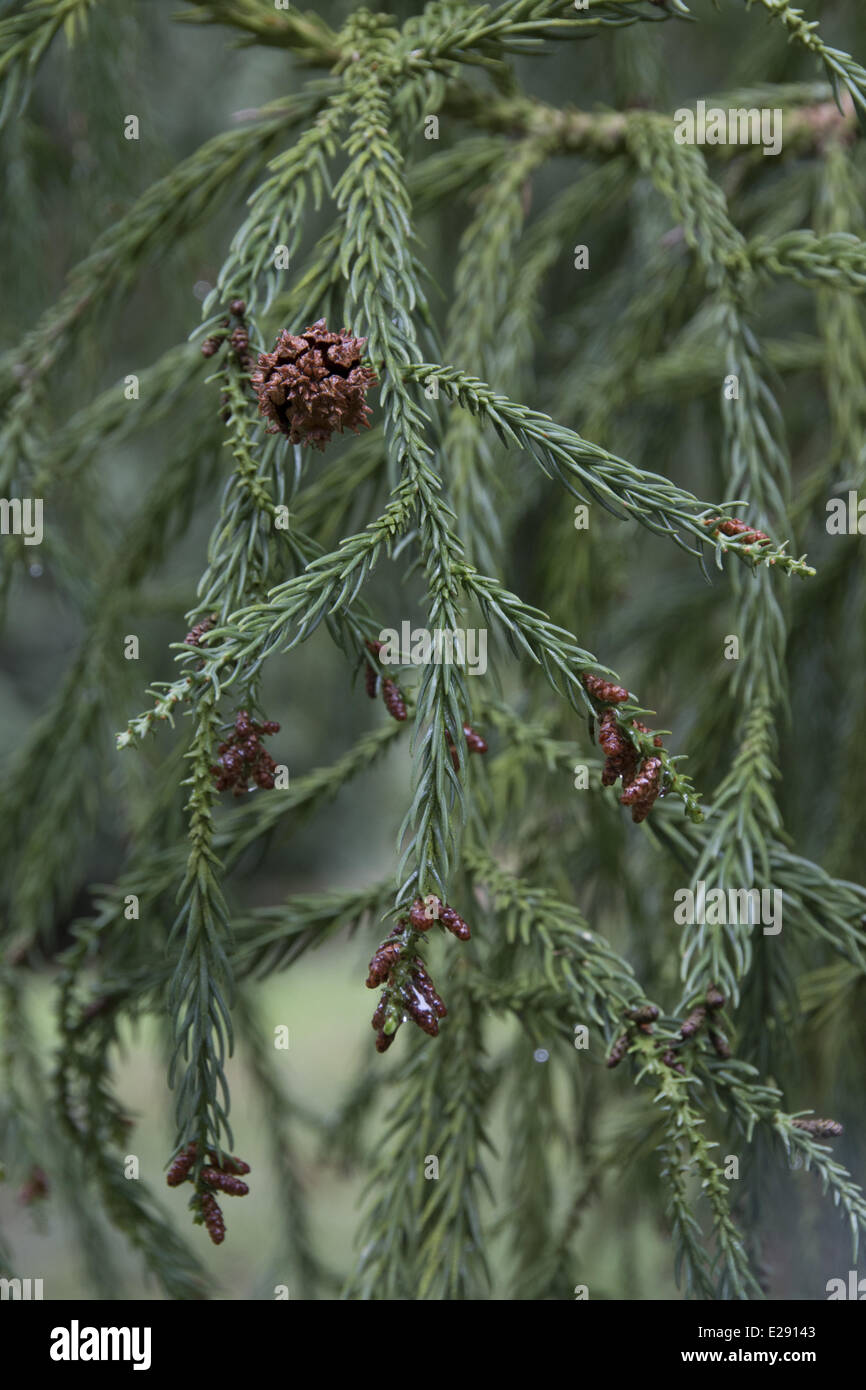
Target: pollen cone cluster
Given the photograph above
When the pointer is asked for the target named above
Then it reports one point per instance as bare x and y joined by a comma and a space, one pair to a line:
218, 1175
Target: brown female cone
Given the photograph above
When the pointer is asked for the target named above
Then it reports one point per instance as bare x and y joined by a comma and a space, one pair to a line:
416, 995
223, 1174
384, 1040
610, 736
240, 341
313, 384
474, 742
379, 1015
371, 673
641, 784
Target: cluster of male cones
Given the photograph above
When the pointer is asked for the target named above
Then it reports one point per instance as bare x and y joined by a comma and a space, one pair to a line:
218, 1175
239, 337
395, 703
641, 777
644, 1016
702, 1019
243, 756
408, 990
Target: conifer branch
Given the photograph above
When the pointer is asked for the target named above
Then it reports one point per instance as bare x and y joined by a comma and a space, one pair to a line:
485, 284
313, 41
810, 118
376, 239
842, 70
836, 260
200, 995
518, 26
25, 39
745, 814
431, 1246
585, 468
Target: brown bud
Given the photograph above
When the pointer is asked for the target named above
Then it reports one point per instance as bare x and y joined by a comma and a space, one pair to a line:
455, 923
420, 1008
641, 790
195, 634
819, 1129
213, 1218
646, 1013
733, 526
229, 1164
179, 1170
422, 981
603, 690
394, 702
644, 729
420, 918
693, 1022
474, 742
720, 1044
226, 1182
382, 963
618, 1051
